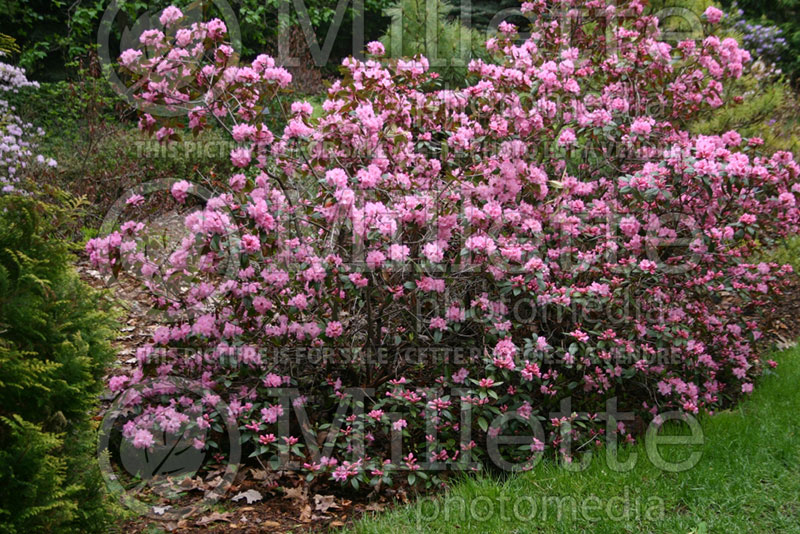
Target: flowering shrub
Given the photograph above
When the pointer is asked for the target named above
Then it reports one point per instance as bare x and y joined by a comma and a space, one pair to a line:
764, 41
471, 258
17, 137
784, 15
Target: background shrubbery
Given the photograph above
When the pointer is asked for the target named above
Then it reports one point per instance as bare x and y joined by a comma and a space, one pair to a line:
785, 14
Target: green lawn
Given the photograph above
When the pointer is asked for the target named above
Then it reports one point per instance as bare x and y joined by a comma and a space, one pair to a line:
747, 480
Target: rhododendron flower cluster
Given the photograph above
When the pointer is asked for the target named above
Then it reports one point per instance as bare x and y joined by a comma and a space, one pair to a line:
471, 258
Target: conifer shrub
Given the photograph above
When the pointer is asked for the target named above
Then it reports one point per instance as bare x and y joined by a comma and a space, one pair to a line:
54, 348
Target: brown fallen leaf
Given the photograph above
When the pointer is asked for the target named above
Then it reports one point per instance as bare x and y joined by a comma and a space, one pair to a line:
336, 524
214, 517
189, 483
258, 474
250, 495
322, 503
298, 494
305, 514
211, 483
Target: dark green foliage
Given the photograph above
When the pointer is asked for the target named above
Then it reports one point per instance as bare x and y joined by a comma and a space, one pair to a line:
52, 34
486, 13
53, 352
423, 27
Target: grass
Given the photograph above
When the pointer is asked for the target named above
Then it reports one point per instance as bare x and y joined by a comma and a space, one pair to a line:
747, 480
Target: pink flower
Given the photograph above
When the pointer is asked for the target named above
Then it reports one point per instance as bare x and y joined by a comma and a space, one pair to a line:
266, 439
567, 137
433, 251
216, 28
747, 218
336, 178
152, 38
297, 128
713, 14
134, 200
261, 304
358, 280
375, 259
272, 381
161, 335
455, 313
460, 376
369, 177
398, 252
170, 15
400, 424
438, 323
480, 243
240, 157
787, 199
747, 388
180, 190
116, 383
342, 473
299, 301
129, 56
334, 329
242, 132
143, 439
375, 48
431, 284
732, 138
505, 348
250, 243
648, 266
237, 182
581, 336
530, 371
641, 126
302, 108
271, 414
629, 226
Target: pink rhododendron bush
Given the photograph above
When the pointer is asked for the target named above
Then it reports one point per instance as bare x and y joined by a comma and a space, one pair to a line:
383, 289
